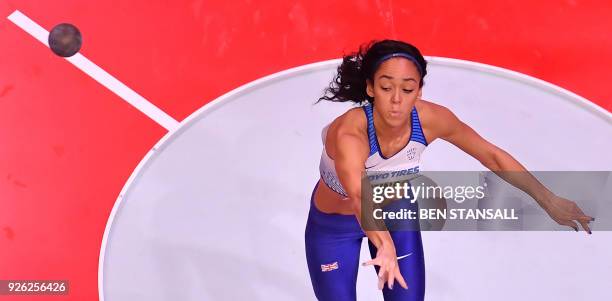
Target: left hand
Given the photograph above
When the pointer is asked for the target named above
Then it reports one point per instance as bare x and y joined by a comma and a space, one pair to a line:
565, 212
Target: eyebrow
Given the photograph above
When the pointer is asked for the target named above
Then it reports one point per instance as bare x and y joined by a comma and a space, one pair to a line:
391, 77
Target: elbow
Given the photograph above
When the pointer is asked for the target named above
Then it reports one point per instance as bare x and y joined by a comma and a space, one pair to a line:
493, 159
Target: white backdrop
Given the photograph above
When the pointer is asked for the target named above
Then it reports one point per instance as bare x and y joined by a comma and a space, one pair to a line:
216, 211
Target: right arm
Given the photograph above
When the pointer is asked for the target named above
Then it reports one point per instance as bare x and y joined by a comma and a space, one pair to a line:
349, 162
351, 153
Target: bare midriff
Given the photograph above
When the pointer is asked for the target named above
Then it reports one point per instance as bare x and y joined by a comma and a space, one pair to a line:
328, 201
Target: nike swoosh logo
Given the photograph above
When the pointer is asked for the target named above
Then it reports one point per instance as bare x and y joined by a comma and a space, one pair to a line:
404, 256
369, 166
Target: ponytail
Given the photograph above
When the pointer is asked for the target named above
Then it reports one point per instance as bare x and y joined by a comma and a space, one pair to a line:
349, 83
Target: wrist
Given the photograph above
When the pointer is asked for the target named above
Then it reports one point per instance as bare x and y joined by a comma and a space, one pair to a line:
387, 243
545, 199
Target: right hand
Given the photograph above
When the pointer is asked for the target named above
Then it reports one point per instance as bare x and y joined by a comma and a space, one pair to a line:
386, 259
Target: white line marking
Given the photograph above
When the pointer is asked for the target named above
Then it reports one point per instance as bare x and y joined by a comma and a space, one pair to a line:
98, 74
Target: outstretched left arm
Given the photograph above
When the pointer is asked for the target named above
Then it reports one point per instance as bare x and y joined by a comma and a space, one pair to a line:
453, 130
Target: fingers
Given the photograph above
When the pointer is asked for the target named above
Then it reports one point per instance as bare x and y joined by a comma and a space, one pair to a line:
584, 222
582, 218
388, 272
400, 280
375, 261
384, 276
570, 223
567, 213
585, 226
578, 210
381, 279
390, 276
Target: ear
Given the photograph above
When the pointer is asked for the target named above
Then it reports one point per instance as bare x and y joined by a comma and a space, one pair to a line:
369, 88
420, 95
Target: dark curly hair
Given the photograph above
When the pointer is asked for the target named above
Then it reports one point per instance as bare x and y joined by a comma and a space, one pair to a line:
349, 84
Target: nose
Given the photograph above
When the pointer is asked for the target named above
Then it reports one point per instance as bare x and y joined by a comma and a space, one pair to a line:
396, 97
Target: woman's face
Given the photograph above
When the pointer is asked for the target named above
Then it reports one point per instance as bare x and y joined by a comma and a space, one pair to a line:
395, 90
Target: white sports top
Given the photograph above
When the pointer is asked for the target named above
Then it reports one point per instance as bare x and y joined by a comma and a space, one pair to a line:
403, 163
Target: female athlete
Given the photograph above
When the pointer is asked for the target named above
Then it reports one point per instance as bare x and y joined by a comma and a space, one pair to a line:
388, 132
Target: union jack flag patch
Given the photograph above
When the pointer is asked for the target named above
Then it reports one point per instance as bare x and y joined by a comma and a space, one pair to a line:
329, 267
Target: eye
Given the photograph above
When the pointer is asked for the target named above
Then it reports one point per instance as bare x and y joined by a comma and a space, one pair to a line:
385, 88
408, 91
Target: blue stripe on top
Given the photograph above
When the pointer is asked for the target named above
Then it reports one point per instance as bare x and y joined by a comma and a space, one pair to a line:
371, 131
416, 132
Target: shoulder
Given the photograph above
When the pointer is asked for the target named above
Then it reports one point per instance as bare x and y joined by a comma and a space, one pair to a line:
429, 111
348, 132
436, 120
352, 122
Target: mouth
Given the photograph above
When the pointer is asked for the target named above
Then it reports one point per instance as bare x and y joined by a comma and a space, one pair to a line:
395, 113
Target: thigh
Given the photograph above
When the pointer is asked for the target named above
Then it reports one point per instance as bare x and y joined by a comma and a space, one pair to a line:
412, 267
333, 262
